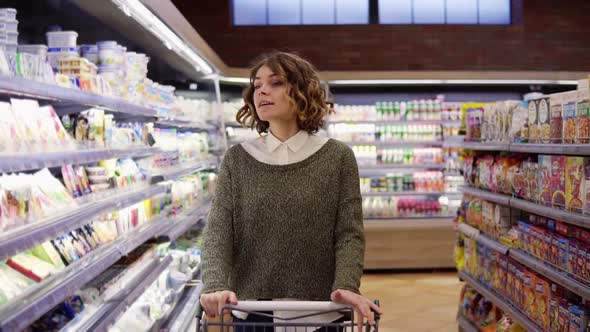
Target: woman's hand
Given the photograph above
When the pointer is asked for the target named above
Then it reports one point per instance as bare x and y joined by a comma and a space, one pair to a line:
362, 306
214, 302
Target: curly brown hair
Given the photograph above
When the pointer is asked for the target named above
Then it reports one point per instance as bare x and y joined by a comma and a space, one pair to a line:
304, 91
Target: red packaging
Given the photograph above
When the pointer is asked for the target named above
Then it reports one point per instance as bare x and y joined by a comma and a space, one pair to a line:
528, 291
558, 166
23, 270
562, 228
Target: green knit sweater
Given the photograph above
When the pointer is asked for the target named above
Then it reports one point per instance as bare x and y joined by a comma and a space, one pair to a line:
285, 231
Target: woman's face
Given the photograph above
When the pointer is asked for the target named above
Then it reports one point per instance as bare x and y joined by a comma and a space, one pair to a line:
270, 97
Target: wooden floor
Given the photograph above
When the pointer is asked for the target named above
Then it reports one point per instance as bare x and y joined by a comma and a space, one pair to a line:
419, 302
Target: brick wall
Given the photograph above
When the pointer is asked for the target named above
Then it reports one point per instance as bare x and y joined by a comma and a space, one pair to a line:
547, 35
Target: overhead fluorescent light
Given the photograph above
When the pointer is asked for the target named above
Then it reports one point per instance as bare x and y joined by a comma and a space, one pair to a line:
149, 21
452, 82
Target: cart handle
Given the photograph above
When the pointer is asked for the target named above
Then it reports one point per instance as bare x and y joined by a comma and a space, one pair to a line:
252, 306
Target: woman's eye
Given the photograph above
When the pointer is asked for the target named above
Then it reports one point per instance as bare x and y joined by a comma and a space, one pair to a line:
256, 87
277, 83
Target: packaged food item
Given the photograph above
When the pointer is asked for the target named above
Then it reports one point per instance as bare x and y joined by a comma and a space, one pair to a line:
583, 115
558, 167
518, 180
569, 117
31, 266
563, 253
554, 308
545, 180
519, 130
541, 304
487, 213
532, 179
557, 116
586, 185
564, 315
533, 116
474, 122
573, 257
574, 187
528, 291
544, 120
578, 318
47, 252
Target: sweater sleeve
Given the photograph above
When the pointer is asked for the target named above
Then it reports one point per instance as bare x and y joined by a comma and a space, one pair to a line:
349, 234
218, 234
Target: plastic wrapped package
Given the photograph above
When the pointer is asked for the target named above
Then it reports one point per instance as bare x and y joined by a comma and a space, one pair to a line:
12, 283
30, 266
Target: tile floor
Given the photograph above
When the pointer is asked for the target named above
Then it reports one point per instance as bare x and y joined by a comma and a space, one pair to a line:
415, 302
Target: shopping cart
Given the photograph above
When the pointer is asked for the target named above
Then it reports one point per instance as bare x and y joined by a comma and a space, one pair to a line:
298, 310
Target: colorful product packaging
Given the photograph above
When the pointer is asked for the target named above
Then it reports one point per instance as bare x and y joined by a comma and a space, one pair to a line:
558, 166
569, 117
544, 120
528, 289
533, 116
583, 113
578, 318
545, 180
541, 305
574, 184
557, 115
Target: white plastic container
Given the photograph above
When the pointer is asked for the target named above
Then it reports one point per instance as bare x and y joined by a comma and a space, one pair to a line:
62, 39
11, 47
11, 26
3, 37
53, 55
90, 52
39, 49
108, 56
12, 37
106, 44
7, 13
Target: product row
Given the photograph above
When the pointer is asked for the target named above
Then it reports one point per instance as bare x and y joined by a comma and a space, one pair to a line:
559, 118
484, 314
367, 155
558, 181
49, 258
424, 182
552, 307
371, 133
409, 207
104, 68
27, 127
421, 110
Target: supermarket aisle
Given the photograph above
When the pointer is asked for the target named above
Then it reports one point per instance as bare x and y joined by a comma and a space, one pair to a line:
416, 302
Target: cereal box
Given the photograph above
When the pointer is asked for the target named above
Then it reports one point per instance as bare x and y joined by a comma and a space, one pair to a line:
487, 216
578, 318
554, 257
545, 180
569, 117
583, 115
532, 179
572, 260
564, 315
541, 305
544, 120
548, 236
503, 275
563, 253
519, 131
502, 220
533, 121
556, 126
563, 228
554, 309
583, 256
523, 236
558, 165
518, 292
574, 184
528, 290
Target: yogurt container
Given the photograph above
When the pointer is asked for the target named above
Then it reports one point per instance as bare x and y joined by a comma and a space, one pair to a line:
12, 37
10, 25
62, 39
38, 49
7, 14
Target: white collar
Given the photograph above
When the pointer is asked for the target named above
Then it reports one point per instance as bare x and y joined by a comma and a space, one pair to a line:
295, 143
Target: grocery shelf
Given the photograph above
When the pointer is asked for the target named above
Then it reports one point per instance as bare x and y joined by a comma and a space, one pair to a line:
13, 162
551, 273
484, 146
487, 195
23, 310
561, 149
185, 311
16, 240
180, 170
532, 207
550, 212
392, 122
185, 124
128, 296
394, 145
408, 193
404, 223
465, 325
186, 221
18, 86
498, 300
401, 166
483, 239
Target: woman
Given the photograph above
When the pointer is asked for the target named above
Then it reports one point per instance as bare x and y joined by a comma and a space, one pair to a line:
286, 221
